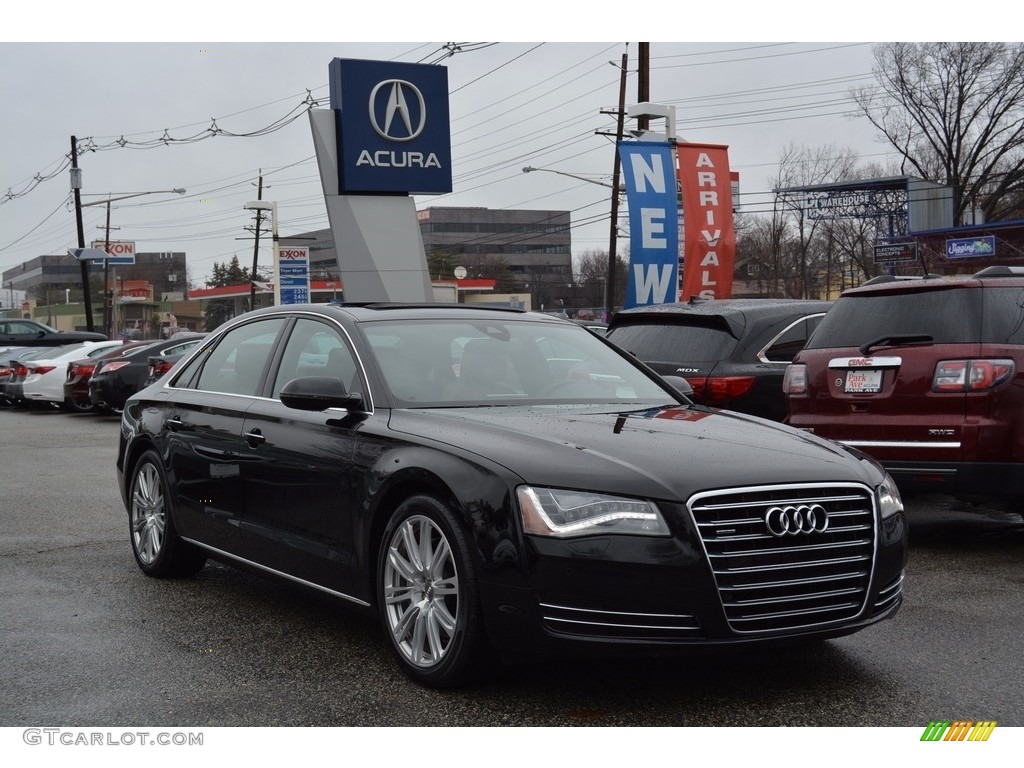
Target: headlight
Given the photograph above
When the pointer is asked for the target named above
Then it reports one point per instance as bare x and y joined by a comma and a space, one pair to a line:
889, 501
562, 514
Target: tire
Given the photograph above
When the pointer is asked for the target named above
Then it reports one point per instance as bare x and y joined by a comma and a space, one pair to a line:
430, 611
78, 406
157, 548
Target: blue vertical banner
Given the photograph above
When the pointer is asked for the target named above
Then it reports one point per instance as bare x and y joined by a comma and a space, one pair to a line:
649, 171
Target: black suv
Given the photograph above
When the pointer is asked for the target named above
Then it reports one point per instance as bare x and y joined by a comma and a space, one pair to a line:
733, 352
927, 376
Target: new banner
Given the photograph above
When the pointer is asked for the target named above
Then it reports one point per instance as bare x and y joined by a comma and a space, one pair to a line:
653, 214
709, 246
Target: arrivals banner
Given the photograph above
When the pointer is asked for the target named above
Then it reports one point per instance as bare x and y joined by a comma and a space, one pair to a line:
709, 241
653, 222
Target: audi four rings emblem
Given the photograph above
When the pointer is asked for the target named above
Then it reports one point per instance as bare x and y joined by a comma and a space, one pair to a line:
791, 521
402, 91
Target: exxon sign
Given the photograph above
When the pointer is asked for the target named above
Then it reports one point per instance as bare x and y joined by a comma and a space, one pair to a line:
393, 127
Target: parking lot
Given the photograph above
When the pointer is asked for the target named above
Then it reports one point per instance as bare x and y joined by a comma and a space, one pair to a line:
90, 640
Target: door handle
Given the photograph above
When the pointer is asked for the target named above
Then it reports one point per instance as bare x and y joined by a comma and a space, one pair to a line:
254, 438
173, 424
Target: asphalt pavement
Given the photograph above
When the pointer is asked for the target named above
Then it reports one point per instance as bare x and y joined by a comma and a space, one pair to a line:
89, 640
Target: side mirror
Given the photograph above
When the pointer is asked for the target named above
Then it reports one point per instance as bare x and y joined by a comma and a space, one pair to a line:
318, 393
679, 384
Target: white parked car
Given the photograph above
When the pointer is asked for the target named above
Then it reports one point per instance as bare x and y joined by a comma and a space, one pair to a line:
44, 377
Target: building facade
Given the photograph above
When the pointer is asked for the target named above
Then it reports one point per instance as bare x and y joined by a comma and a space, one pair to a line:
165, 271
523, 250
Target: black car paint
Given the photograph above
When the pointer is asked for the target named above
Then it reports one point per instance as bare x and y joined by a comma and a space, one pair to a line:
41, 335
223, 453
110, 389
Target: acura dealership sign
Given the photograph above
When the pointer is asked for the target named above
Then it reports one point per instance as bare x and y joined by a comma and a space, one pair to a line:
392, 127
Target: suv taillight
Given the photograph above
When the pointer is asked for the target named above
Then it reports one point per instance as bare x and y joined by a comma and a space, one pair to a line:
970, 375
720, 389
795, 380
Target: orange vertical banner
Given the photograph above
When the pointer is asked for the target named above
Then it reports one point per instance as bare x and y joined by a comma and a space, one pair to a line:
709, 242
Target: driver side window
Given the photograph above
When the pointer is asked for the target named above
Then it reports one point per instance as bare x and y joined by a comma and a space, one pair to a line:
316, 349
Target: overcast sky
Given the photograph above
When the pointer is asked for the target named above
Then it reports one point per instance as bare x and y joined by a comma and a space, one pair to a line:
512, 105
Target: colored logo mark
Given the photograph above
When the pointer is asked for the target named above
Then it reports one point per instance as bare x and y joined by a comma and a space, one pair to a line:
958, 730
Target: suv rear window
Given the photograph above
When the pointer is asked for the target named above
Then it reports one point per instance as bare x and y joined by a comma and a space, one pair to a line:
674, 341
949, 317
1004, 315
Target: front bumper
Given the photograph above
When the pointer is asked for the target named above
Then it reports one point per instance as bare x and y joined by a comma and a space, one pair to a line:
644, 592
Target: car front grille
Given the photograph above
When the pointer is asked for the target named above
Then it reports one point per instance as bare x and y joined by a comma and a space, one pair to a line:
621, 625
773, 580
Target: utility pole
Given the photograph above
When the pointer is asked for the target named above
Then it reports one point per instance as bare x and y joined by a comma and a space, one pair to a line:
108, 292
643, 82
613, 237
76, 185
256, 247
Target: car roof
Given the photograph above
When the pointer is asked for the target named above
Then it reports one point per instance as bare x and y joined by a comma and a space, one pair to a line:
735, 312
364, 312
895, 284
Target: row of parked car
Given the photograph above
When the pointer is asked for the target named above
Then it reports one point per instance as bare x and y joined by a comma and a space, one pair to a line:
83, 376
925, 374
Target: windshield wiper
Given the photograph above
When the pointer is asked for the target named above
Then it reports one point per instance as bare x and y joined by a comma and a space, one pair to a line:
894, 340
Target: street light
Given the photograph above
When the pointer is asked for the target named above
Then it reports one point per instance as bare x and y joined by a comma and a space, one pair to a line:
530, 169
618, 189
108, 309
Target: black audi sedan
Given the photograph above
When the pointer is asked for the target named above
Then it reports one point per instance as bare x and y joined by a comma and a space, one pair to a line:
488, 480
113, 381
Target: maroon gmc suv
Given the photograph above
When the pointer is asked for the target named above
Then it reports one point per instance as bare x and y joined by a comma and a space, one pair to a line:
925, 375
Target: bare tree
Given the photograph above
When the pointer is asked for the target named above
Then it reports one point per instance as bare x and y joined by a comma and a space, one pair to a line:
802, 255
955, 113
592, 276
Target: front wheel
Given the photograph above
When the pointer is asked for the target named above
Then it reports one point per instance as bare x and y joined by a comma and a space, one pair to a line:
428, 597
158, 549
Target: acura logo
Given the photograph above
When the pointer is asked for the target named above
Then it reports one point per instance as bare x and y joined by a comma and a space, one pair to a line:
390, 115
791, 521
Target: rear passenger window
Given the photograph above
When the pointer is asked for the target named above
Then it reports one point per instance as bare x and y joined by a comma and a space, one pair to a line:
784, 348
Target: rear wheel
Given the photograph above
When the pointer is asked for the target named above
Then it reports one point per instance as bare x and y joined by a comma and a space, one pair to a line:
427, 594
78, 406
158, 549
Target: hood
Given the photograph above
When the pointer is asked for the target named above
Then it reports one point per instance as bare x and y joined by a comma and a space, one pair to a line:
663, 452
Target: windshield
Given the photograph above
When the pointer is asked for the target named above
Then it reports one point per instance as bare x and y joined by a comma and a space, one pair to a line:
449, 362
